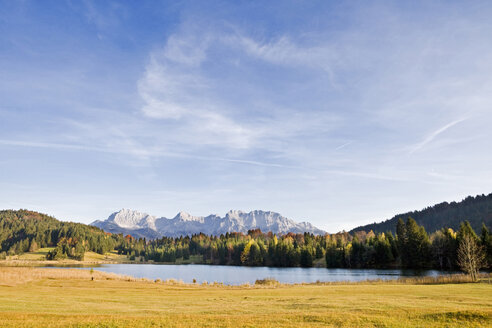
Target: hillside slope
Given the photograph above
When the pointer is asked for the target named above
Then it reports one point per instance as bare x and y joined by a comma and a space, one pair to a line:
23, 231
476, 210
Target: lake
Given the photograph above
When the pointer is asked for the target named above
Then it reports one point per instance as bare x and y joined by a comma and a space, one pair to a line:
236, 275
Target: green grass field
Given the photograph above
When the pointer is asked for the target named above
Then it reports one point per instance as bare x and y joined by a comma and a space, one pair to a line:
33, 297
39, 255
38, 258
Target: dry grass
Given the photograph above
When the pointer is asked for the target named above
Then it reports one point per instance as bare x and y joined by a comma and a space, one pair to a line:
437, 280
443, 279
11, 276
34, 297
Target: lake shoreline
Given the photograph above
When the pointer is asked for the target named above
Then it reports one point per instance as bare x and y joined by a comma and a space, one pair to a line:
11, 275
237, 275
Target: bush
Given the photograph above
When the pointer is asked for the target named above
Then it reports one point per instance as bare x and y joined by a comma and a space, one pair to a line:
267, 282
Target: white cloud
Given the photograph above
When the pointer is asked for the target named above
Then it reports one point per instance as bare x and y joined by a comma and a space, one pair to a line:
176, 86
173, 88
189, 51
285, 52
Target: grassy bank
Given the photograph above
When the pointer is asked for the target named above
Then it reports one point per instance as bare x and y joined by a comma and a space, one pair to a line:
32, 297
38, 258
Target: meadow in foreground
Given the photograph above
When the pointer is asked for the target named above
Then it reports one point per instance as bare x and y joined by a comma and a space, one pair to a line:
33, 297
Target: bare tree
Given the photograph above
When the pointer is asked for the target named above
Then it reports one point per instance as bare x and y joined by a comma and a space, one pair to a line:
471, 256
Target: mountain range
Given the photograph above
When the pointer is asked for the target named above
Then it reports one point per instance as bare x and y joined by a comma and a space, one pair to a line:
141, 225
477, 210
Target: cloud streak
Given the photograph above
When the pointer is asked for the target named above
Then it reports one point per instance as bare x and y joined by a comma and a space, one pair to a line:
160, 154
344, 145
146, 153
435, 134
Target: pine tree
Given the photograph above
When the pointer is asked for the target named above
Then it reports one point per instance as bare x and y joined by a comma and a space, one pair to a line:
306, 260
486, 242
414, 244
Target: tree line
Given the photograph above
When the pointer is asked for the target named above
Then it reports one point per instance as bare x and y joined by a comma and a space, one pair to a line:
411, 248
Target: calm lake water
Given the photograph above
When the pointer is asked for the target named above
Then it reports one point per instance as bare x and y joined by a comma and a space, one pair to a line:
236, 275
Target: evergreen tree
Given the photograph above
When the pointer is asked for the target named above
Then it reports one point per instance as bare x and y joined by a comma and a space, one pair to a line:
486, 243
306, 260
414, 245
466, 229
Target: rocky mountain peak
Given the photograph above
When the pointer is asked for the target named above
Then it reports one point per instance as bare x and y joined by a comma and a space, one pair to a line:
142, 224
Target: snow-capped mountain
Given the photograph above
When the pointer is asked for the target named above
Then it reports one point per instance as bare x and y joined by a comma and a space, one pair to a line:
129, 219
140, 224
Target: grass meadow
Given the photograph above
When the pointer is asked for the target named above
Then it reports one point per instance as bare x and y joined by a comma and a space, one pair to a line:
35, 297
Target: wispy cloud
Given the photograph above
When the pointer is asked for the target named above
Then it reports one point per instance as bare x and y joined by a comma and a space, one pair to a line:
144, 153
176, 86
283, 51
160, 154
173, 89
62, 146
344, 145
435, 134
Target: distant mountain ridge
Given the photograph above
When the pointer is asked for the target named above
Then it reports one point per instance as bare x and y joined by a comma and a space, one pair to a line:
476, 210
141, 225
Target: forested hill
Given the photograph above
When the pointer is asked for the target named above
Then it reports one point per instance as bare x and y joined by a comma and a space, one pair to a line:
476, 210
23, 231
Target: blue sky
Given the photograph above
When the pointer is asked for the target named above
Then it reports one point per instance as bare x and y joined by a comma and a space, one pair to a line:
340, 113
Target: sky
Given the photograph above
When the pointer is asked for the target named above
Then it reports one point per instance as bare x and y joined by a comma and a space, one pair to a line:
338, 113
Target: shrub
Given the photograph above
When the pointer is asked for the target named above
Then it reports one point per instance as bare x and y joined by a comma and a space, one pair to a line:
267, 282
